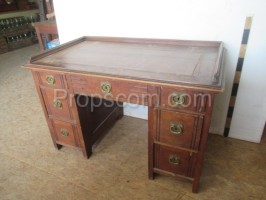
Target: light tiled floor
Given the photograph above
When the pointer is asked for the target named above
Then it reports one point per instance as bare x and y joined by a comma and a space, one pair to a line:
31, 168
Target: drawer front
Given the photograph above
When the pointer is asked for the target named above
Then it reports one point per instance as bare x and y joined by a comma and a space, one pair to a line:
183, 99
172, 160
65, 133
180, 129
108, 88
57, 103
51, 79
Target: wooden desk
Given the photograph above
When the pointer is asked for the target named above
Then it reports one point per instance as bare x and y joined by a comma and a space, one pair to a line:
45, 27
79, 82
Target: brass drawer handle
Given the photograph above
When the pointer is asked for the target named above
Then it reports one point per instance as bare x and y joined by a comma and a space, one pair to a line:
177, 99
176, 128
50, 79
106, 87
64, 132
174, 159
58, 104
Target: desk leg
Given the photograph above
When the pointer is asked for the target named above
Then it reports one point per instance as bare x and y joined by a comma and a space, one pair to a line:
153, 101
203, 145
57, 146
87, 151
151, 130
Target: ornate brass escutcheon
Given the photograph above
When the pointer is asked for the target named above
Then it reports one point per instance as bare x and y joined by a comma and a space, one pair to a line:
50, 80
106, 87
177, 99
174, 159
176, 128
64, 132
58, 104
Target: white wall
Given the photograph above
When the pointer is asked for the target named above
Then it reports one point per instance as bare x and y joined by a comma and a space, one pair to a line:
186, 19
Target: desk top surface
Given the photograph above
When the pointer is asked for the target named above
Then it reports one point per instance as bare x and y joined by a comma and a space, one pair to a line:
195, 63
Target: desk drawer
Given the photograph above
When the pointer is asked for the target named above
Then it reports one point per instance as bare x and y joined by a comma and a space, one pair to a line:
50, 79
172, 160
65, 133
180, 129
57, 103
108, 88
182, 99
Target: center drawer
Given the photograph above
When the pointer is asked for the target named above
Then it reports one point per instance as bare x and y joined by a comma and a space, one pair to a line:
180, 129
108, 88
